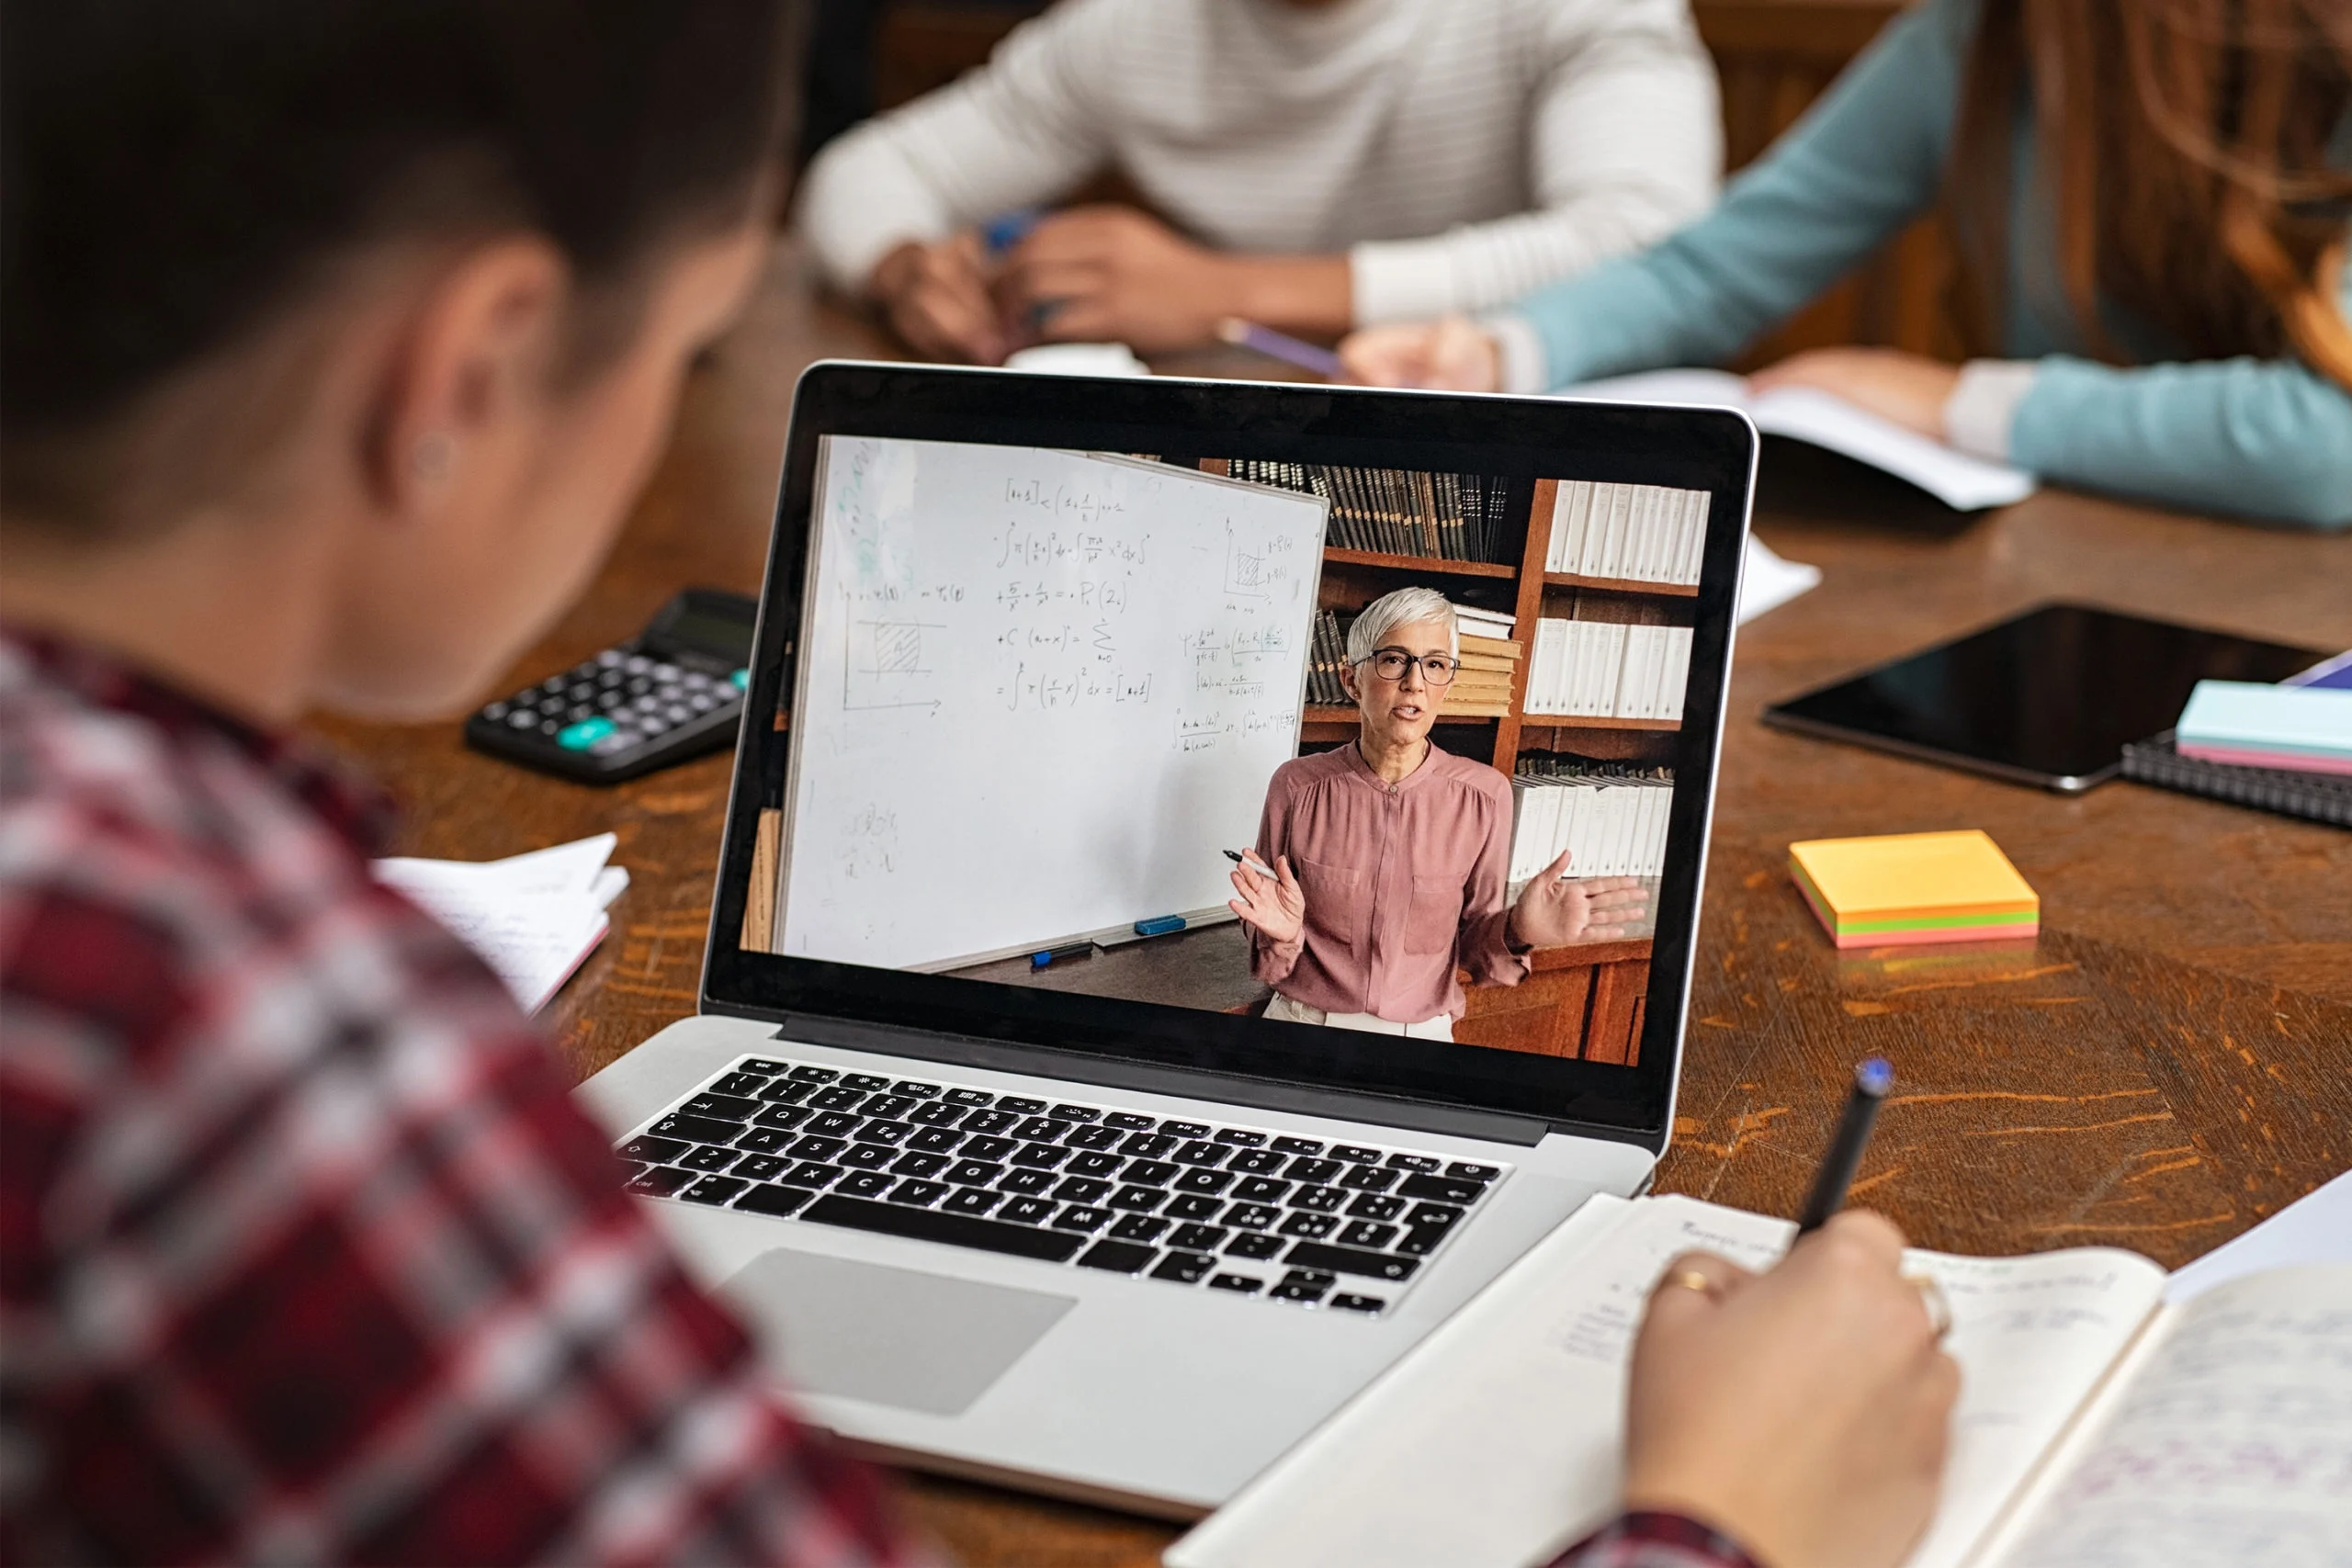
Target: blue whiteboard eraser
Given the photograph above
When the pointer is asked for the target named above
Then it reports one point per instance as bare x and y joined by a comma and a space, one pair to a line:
1160, 926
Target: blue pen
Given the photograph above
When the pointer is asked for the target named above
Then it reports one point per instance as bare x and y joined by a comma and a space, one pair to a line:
1006, 229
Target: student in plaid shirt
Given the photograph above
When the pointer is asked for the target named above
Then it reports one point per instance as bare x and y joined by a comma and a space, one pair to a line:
335, 338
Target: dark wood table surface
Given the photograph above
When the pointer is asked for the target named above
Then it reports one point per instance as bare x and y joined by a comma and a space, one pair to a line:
2170, 1061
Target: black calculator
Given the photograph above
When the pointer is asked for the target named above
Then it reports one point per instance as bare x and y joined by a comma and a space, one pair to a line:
674, 692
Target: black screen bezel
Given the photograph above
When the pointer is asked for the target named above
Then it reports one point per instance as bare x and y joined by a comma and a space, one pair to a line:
1713, 450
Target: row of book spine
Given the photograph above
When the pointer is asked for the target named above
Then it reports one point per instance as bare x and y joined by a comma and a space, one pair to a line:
1627, 532
1602, 669
1329, 652
1610, 820
1397, 511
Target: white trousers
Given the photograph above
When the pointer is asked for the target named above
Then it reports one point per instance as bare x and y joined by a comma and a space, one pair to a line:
1438, 1028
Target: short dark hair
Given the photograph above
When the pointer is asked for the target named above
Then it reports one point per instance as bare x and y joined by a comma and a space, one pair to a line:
173, 171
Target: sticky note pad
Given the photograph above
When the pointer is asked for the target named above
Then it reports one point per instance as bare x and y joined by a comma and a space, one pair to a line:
1914, 887
2308, 728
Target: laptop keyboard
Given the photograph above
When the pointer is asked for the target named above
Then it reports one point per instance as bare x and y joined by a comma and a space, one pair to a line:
1217, 1206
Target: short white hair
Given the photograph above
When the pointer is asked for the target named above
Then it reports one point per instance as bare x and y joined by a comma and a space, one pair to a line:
1402, 608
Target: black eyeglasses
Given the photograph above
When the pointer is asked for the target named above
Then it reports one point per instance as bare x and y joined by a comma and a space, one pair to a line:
1390, 665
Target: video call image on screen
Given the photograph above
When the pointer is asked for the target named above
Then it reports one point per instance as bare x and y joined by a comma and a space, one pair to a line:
1043, 699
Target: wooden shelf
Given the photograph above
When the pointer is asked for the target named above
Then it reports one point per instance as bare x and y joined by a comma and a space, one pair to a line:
1338, 557
1622, 585
1588, 721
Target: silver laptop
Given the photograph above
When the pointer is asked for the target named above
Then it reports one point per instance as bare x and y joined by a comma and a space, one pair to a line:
979, 1122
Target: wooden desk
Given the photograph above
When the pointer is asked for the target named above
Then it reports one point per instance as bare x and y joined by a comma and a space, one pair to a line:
2156, 1072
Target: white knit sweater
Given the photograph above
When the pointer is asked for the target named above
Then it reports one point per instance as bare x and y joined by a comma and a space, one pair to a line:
1462, 153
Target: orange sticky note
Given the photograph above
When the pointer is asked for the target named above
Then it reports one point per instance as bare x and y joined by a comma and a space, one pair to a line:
1900, 888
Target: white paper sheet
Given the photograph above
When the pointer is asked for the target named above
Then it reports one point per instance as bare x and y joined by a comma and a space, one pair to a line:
2315, 1228
1769, 581
533, 918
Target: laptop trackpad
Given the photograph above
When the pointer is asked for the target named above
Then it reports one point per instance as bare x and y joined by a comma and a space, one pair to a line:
890, 1335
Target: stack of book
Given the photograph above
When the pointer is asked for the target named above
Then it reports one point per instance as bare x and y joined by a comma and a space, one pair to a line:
1609, 816
1329, 652
1489, 661
1397, 511
1627, 532
1601, 670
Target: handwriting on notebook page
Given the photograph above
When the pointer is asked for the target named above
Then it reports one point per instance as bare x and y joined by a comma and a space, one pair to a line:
2231, 1445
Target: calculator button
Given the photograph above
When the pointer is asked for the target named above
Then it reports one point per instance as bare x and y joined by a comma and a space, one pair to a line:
677, 713
741, 679
495, 712
584, 734
610, 744
637, 664
521, 718
610, 657
702, 701
666, 671
579, 711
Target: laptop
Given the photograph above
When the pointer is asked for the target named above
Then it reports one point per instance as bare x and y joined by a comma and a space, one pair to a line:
979, 1121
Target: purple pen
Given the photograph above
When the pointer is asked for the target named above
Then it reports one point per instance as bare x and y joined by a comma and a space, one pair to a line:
1282, 347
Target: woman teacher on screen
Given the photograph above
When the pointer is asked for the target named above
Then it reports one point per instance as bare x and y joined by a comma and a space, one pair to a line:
1388, 856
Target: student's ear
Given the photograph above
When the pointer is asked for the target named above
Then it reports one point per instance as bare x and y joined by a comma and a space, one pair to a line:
467, 364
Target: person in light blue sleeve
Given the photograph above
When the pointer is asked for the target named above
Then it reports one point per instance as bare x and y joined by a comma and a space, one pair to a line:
2151, 200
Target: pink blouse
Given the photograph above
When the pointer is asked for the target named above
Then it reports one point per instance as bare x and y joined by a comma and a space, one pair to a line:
1403, 883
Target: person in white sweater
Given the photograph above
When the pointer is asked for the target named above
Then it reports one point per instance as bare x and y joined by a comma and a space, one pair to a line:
1314, 165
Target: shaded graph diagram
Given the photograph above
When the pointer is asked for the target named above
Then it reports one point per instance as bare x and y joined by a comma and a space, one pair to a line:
886, 665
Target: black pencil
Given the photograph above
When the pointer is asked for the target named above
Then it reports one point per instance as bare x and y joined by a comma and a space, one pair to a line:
1872, 1079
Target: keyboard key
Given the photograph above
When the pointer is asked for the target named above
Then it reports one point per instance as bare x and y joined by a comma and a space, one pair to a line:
700, 1129
1313, 1226
1373, 1206
1296, 1146
1118, 1256
918, 1165
1261, 1189
782, 1116
1420, 1241
1347, 1300
1199, 1180
883, 1133
739, 1083
815, 1075
868, 1157
1318, 1200
1355, 1154
1142, 1199
1126, 1121
761, 1065
832, 1124
1414, 1162
1028, 1211
989, 1148
1081, 1189
968, 1097
761, 1167
1296, 1291
839, 1098
1200, 1151
1190, 1206
865, 1184
660, 1181
776, 1200
1093, 1164
1081, 1217
1241, 1284
1184, 1129
864, 1081
713, 1190
707, 1158
921, 1194
1315, 1170
937, 1113
1026, 1182
815, 1147
1436, 1215
766, 1140
1094, 1138
1139, 1227
1198, 1238
1258, 1162
1350, 1260
1040, 1129
972, 1201
1075, 1112
990, 1121
1443, 1189
915, 1090
1148, 1146
1240, 1137
725, 1107
1252, 1216
1367, 1233
1370, 1179
893, 1106
974, 1173
654, 1151
1151, 1172
1322, 1277
1041, 1156
1184, 1267
934, 1225
812, 1173
936, 1140
785, 1091
1249, 1243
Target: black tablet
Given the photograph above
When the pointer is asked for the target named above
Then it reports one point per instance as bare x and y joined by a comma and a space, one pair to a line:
2049, 697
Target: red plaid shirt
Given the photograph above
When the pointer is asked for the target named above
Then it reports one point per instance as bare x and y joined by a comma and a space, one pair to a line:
305, 1253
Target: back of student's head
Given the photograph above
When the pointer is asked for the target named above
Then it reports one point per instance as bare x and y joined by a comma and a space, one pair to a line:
181, 174
2194, 153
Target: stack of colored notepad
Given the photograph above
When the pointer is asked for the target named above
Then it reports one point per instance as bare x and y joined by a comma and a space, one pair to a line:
2302, 728
1914, 887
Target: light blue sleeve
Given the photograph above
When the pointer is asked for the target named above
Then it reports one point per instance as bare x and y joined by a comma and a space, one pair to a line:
2254, 439
1862, 163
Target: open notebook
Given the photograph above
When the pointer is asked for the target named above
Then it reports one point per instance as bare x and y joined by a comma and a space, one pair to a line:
2096, 1426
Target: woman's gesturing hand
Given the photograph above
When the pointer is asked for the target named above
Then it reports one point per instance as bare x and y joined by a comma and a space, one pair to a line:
1805, 1412
1276, 909
1556, 909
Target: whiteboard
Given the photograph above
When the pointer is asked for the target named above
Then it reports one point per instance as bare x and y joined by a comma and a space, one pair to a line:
1038, 693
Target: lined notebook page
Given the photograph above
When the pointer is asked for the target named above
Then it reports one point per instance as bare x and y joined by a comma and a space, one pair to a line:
2227, 1440
1500, 1440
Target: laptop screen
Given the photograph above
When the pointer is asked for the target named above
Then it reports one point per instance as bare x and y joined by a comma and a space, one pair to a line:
1323, 754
